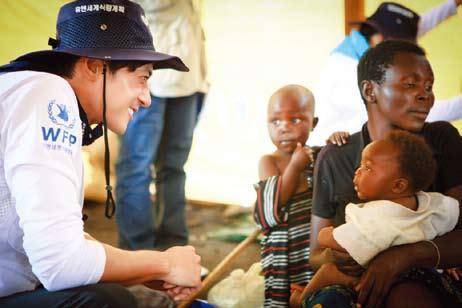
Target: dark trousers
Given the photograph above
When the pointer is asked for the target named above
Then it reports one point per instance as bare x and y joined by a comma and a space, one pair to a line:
161, 135
107, 295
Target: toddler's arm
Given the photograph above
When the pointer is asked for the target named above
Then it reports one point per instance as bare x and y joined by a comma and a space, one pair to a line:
301, 157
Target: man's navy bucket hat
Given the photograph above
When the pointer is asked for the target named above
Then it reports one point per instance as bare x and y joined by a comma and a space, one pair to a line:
395, 21
108, 30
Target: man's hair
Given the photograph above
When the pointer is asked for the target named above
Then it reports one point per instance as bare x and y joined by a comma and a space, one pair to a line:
376, 60
415, 159
63, 64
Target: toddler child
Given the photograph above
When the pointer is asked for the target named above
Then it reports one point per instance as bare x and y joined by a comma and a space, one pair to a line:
283, 208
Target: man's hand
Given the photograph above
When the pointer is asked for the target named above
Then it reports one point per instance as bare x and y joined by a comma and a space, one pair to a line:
344, 262
185, 268
382, 271
179, 293
301, 157
155, 285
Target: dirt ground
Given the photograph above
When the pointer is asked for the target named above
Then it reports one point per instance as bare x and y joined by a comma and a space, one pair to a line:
203, 222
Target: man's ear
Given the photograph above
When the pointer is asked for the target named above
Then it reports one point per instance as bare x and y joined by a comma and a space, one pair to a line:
91, 68
400, 185
367, 91
315, 122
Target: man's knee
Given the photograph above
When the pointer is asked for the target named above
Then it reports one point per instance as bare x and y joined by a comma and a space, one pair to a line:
412, 294
105, 295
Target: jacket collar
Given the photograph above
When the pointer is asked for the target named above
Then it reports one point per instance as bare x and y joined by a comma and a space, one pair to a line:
353, 46
89, 135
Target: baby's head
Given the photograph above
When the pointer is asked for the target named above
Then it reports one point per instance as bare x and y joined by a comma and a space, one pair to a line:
398, 166
290, 117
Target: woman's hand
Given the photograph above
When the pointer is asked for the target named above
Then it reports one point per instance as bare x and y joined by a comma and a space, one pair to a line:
455, 272
381, 273
338, 138
344, 262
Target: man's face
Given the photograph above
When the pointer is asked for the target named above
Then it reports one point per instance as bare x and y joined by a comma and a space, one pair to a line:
289, 122
126, 92
405, 97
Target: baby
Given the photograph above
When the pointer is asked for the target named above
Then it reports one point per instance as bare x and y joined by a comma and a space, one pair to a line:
390, 179
283, 208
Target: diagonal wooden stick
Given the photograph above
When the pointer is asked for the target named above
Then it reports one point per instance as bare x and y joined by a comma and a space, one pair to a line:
220, 268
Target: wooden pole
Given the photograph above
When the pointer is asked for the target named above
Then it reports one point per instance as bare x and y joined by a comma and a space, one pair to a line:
354, 11
217, 272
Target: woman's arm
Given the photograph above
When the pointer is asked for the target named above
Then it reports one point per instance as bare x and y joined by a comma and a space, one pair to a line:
326, 239
446, 110
320, 255
389, 264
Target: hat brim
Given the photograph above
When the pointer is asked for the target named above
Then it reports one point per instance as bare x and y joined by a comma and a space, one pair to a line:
160, 60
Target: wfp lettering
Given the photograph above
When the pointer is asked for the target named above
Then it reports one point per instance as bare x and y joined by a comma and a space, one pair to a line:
58, 135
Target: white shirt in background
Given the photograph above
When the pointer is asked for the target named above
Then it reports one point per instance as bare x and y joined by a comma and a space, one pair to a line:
339, 105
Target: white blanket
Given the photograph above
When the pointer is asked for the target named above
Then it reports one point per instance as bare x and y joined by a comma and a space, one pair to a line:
374, 226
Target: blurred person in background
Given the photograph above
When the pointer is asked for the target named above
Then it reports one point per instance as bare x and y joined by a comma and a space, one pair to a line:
339, 104
161, 135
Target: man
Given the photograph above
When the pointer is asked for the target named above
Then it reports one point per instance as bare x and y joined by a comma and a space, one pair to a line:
97, 72
395, 80
337, 97
161, 135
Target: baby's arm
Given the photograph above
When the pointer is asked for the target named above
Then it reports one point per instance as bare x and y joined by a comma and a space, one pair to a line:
326, 239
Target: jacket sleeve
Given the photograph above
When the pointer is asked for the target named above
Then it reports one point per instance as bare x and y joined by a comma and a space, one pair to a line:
268, 213
339, 105
44, 174
446, 110
435, 16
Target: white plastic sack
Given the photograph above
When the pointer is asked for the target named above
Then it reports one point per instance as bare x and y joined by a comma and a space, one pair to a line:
240, 289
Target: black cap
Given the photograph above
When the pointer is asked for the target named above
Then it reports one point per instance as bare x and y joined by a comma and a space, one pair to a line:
106, 29
395, 21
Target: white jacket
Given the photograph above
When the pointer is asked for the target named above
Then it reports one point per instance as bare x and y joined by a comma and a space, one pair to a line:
377, 225
176, 29
339, 105
41, 187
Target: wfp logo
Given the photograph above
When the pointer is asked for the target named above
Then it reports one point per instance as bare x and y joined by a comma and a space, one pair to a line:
60, 115
58, 135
